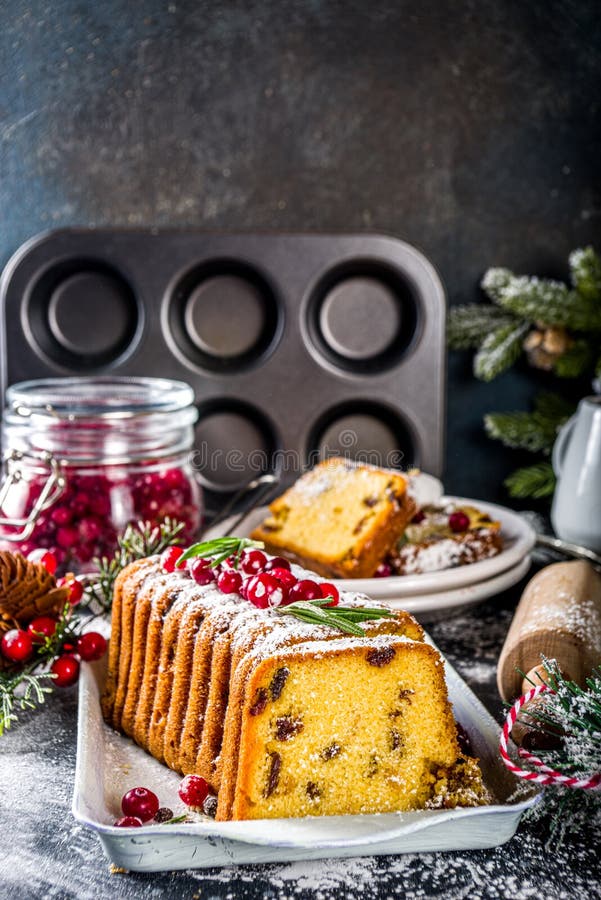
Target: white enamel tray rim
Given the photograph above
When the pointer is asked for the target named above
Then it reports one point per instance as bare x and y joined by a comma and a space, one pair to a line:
152, 848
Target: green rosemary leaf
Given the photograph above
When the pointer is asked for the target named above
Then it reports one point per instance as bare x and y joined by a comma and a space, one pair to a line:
344, 618
219, 549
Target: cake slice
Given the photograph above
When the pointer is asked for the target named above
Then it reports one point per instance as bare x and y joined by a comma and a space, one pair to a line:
345, 726
340, 519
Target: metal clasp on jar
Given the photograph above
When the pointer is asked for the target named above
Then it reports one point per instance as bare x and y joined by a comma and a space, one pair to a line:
53, 488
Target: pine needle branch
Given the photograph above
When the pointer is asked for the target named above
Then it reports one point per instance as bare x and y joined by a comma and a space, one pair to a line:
542, 300
499, 350
533, 431
576, 361
468, 326
535, 481
585, 266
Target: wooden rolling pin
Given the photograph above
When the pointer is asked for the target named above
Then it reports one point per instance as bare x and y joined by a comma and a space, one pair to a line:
559, 616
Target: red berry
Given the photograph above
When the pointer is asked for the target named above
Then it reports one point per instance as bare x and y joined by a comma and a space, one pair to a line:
229, 582
169, 558
45, 557
330, 590
305, 590
40, 628
384, 570
61, 515
17, 645
193, 790
74, 586
253, 562
265, 590
91, 646
67, 537
66, 670
276, 562
128, 822
201, 572
458, 521
284, 576
418, 517
140, 802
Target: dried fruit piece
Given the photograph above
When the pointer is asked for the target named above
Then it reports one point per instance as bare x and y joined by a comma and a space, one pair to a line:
381, 657
275, 766
313, 791
277, 683
287, 727
259, 703
331, 751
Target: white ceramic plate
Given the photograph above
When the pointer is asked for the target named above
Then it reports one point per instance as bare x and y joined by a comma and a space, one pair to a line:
109, 764
518, 540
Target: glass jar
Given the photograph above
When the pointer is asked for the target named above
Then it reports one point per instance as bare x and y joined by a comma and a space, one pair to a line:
84, 457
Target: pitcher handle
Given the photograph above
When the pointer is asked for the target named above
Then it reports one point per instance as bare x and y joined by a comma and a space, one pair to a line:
561, 445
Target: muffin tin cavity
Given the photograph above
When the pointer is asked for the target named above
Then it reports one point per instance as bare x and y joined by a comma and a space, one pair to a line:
293, 344
82, 314
365, 431
224, 316
235, 442
363, 317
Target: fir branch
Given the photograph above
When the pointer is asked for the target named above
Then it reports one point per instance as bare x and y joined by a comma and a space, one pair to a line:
585, 266
499, 350
535, 481
20, 691
220, 549
542, 300
344, 618
533, 431
137, 542
575, 361
468, 326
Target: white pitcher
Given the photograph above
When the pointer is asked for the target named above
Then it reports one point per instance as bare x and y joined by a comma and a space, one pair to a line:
576, 510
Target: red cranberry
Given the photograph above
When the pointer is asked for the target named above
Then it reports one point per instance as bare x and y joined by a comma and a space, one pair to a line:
458, 521
74, 586
201, 572
45, 557
169, 558
100, 505
305, 590
66, 670
91, 645
67, 537
61, 515
174, 479
330, 590
253, 562
17, 645
418, 517
90, 530
265, 590
128, 822
384, 570
284, 576
193, 790
40, 628
140, 802
229, 581
276, 562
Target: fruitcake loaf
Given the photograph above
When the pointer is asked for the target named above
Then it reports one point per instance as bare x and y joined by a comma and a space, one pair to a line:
282, 717
339, 519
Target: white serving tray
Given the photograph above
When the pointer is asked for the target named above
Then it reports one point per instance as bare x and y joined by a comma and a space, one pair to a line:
109, 764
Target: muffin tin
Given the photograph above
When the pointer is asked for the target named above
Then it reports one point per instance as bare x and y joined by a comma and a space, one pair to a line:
296, 345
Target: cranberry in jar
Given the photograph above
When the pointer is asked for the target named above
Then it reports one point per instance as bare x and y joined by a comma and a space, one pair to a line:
86, 456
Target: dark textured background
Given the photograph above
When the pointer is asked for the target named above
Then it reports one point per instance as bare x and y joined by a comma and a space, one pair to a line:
468, 128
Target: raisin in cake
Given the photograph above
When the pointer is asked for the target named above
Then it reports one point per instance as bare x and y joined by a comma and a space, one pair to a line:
339, 519
283, 718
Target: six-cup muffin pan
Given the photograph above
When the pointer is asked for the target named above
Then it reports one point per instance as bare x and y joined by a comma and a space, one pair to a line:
297, 345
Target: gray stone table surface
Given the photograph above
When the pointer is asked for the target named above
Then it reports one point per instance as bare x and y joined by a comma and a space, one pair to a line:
44, 853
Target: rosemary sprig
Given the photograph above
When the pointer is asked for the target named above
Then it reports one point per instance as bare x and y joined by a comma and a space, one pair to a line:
344, 618
220, 549
136, 542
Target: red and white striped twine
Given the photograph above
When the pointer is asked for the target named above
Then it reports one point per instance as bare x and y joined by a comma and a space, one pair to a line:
546, 775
